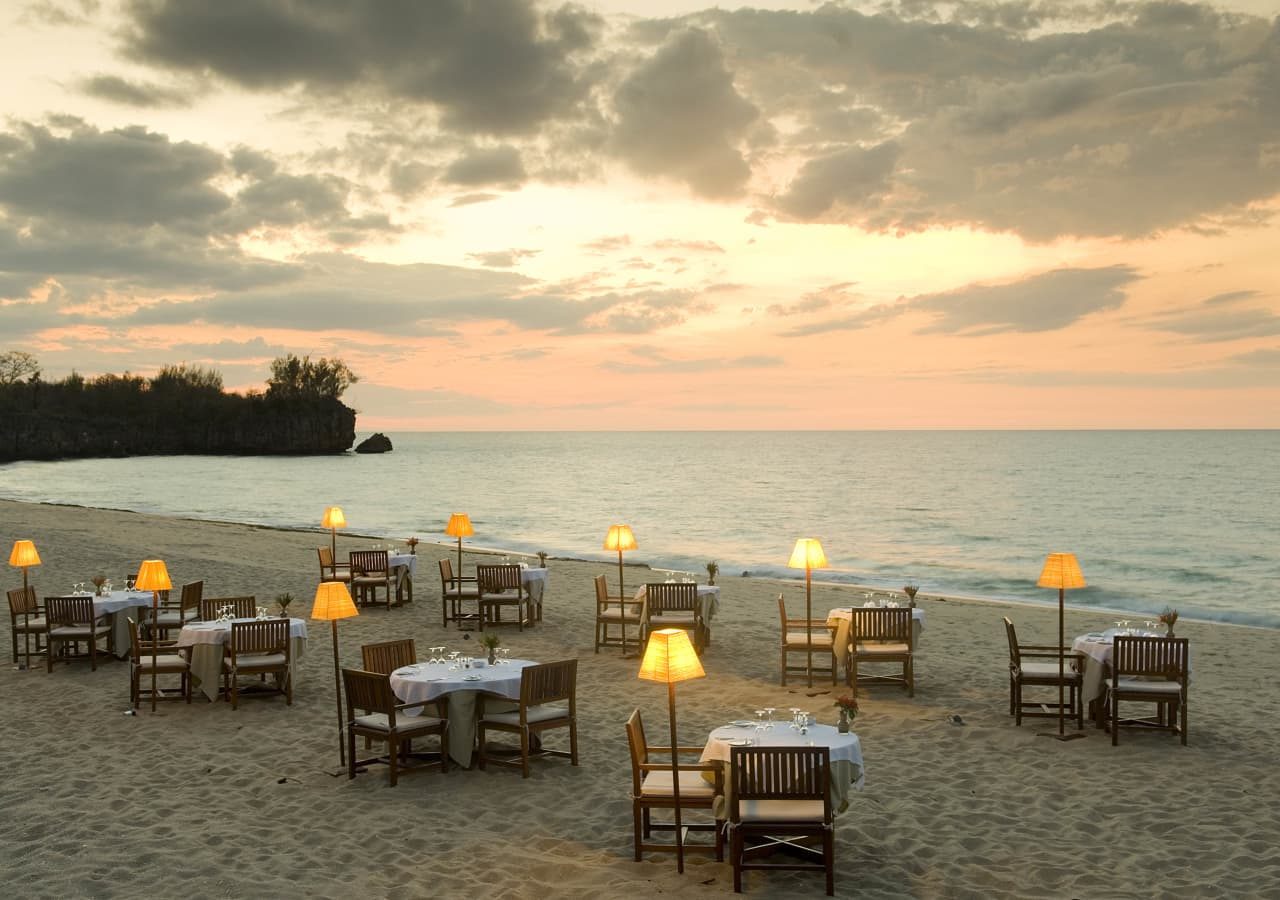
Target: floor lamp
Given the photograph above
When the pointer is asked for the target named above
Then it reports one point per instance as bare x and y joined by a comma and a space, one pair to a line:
808, 555
333, 520
1061, 571
459, 526
333, 602
24, 555
153, 576
620, 538
669, 658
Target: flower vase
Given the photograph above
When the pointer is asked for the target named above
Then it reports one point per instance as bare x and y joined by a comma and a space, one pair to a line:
493, 656
843, 726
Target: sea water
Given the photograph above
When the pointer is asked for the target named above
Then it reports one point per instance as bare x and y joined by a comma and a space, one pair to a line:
1187, 519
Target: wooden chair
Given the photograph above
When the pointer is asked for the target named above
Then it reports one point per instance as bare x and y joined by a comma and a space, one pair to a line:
331, 569
454, 589
1029, 665
542, 691
651, 788
369, 572
71, 621
882, 635
615, 612
259, 648
676, 605
371, 691
244, 607
1150, 670
387, 656
803, 636
501, 587
780, 791
26, 618
168, 661
186, 610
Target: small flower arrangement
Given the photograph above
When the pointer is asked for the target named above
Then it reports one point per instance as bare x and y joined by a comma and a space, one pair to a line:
713, 569
413, 544
490, 641
847, 705
98, 582
1169, 618
911, 590
283, 601
542, 559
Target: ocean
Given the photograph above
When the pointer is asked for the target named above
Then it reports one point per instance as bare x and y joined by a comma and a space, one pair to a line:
1187, 519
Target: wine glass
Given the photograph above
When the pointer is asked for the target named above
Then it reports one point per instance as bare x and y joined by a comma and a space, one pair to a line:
769, 711
804, 722
453, 660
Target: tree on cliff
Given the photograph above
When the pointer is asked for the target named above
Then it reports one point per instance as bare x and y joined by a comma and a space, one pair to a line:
301, 379
16, 365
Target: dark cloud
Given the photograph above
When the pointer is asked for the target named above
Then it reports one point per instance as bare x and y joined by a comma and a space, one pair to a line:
503, 259
131, 93
854, 179
471, 199
485, 166
680, 116
494, 66
1211, 323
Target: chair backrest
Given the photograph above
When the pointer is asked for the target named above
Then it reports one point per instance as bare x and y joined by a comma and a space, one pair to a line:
1150, 657
68, 611
639, 749
369, 691
326, 562
446, 573
549, 682
670, 596
1015, 657
602, 590
244, 607
499, 578
882, 624
137, 646
387, 656
22, 602
261, 636
782, 615
368, 562
192, 591
780, 773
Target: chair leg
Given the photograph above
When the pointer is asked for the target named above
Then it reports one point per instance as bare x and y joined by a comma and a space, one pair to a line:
735, 855
719, 840
351, 753
829, 858
573, 742
635, 826
1115, 721
1016, 686
524, 753
393, 757
480, 739
1182, 716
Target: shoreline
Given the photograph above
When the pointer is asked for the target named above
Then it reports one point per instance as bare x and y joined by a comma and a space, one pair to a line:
932, 596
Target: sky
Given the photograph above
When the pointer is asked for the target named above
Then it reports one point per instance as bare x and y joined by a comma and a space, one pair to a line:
507, 215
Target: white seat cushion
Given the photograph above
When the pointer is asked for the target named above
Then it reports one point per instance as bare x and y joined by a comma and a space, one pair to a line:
172, 617
882, 649
797, 639
534, 714
78, 631
692, 784
404, 724
471, 591
672, 619
165, 662
1049, 670
259, 661
1143, 686
613, 614
34, 623
780, 810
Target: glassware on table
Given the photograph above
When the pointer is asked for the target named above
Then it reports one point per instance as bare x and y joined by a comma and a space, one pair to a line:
769, 711
804, 722
760, 720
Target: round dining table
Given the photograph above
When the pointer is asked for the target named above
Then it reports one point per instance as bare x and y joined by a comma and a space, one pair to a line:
206, 642
426, 682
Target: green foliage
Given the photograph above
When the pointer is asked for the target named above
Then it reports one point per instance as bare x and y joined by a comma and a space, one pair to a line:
16, 365
187, 379
301, 379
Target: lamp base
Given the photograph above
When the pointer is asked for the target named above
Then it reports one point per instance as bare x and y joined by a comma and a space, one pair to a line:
1069, 736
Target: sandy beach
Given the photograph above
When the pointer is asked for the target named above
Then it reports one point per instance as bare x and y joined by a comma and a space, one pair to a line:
201, 801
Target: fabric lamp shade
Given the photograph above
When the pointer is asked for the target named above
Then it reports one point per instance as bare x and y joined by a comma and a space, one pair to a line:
1061, 570
670, 657
153, 576
620, 537
333, 601
333, 518
459, 526
24, 554
807, 555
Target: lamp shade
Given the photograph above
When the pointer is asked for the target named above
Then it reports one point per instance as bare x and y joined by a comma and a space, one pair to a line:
24, 554
333, 601
333, 518
807, 555
620, 537
1061, 571
670, 657
459, 526
153, 576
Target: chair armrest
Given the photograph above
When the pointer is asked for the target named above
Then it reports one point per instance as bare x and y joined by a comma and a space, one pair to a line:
667, 750
1049, 647
1054, 654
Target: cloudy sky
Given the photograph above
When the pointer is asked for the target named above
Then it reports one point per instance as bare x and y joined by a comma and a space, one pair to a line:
652, 214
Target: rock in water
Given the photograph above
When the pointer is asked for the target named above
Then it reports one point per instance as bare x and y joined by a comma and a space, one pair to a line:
378, 443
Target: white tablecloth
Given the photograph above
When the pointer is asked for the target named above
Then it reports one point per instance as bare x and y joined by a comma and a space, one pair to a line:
846, 754
1098, 649
206, 641
430, 681
841, 618
535, 581
113, 605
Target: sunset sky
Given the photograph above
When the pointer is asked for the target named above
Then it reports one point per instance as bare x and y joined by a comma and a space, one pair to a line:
509, 215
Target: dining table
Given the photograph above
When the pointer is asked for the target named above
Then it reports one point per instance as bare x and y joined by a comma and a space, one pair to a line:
840, 619
404, 565
114, 605
206, 643
708, 603
1098, 649
461, 686
847, 769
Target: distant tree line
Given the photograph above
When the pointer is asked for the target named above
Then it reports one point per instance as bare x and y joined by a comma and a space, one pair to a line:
187, 405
